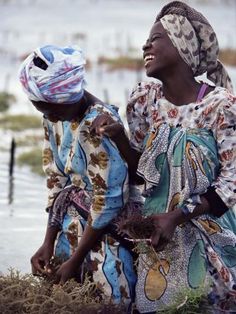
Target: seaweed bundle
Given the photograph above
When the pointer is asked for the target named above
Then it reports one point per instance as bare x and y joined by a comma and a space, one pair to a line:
29, 294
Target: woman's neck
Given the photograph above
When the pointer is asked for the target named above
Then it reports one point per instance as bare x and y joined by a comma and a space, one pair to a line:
91, 99
181, 91
85, 102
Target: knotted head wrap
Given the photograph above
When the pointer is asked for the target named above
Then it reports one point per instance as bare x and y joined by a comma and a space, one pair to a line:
195, 40
54, 74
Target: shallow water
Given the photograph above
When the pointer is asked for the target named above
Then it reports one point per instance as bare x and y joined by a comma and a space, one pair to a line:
22, 222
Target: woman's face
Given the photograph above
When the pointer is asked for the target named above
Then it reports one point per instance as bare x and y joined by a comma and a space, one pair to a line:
57, 112
160, 55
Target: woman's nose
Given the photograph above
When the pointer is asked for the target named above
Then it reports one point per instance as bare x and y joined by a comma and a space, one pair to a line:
146, 45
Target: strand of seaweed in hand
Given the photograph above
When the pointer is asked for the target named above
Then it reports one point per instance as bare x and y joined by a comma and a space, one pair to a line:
135, 226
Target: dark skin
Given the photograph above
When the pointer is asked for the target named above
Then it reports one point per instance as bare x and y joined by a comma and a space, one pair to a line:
163, 62
179, 84
40, 261
66, 112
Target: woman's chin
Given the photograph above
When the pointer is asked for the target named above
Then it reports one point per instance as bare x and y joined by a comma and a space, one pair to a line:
149, 72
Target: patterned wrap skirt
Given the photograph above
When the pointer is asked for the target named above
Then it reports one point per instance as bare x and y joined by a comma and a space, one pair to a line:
110, 264
178, 165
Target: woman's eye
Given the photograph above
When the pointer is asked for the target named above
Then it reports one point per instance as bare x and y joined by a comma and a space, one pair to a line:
154, 38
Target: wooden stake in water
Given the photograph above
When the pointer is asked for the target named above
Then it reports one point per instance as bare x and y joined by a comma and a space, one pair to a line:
11, 171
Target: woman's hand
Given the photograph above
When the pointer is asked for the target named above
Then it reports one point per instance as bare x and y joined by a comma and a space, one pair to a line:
105, 125
40, 261
71, 268
166, 223
164, 228
66, 271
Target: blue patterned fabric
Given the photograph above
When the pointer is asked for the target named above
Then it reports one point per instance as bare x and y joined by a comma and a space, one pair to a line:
62, 78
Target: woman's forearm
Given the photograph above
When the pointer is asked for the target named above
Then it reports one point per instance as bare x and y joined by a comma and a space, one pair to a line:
217, 205
88, 241
51, 234
200, 209
129, 154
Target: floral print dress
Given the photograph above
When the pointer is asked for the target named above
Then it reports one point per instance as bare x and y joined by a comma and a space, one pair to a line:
185, 149
86, 172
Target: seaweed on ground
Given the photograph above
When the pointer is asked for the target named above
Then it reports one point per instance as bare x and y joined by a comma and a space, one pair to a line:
29, 294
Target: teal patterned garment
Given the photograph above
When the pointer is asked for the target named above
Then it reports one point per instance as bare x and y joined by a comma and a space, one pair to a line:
215, 112
178, 165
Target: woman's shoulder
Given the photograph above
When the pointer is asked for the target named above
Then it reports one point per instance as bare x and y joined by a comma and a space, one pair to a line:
149, 89
220, 108
223, 102
223, 96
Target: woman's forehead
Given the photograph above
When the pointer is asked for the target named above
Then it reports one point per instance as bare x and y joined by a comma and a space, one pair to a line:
157, 28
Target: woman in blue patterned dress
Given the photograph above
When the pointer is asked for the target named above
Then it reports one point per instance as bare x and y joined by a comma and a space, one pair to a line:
87, 179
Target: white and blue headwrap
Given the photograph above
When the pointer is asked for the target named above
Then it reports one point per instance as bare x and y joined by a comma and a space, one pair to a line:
61, 80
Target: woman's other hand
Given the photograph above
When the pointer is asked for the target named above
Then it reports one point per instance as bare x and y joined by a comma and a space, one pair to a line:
166, 223
71, 268
164, 228
105, 125
40, 261
66, 271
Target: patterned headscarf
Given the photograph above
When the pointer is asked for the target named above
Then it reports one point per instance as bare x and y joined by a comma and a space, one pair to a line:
195, 40
61, 77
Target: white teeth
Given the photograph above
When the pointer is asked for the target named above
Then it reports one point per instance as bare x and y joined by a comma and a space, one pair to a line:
148, 58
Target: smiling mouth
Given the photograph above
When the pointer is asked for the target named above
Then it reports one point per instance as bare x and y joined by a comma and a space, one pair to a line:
148, 59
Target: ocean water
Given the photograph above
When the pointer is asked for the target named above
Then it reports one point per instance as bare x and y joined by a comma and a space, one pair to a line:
100, 27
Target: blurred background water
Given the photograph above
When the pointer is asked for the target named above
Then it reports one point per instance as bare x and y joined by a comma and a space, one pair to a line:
102, 28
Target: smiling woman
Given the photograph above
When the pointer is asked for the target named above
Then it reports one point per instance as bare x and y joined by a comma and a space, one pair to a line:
182, 144
188, 180
157, 64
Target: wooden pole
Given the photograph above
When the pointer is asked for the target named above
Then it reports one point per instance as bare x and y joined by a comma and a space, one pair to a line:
12, 157
11, 171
